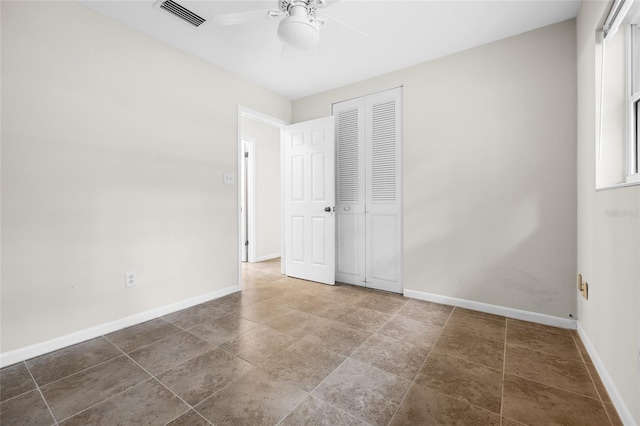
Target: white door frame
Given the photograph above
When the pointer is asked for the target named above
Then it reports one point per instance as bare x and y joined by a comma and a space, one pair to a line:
248, 192
244, 112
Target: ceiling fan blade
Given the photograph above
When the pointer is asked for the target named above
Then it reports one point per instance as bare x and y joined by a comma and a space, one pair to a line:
322, 4
245, 17
324, 17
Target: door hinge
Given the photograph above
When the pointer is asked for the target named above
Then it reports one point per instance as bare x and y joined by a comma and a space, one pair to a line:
246, 155
246, 243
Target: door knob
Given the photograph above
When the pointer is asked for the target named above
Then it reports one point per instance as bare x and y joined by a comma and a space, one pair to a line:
327, 209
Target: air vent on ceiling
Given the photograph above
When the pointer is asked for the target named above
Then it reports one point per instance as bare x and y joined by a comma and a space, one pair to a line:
182, 12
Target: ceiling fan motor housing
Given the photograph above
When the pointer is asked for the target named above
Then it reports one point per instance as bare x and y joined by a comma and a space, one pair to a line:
299, 30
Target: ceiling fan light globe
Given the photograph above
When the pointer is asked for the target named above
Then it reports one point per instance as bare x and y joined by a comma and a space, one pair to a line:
298, 33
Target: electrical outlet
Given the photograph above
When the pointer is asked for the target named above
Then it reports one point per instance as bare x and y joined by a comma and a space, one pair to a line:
227, 178
585, 290
583, 287
579, 282
130, 279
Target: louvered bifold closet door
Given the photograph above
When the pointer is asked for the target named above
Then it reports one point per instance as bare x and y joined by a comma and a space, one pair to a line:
383, 218
350, 198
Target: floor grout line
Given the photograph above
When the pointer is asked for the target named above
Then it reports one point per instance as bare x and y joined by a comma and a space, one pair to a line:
474, 334
555, 354
593, 382
555, 387
55, 420
550, 385
413, 382
466, 360
151, 377
105, 400
349, 357
187, 412
81, 371
540, 327
504, 369
335, 369
161, 318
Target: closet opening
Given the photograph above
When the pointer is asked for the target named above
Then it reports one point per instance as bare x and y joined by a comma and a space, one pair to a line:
369, 190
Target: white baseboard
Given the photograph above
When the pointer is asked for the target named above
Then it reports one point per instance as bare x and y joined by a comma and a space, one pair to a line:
614, 395
21, 354
494, 309
267, 257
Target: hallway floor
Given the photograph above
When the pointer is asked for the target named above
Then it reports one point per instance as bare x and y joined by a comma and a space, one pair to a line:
291, 352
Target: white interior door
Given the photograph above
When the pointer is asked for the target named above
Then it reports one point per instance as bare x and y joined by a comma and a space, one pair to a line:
309, 200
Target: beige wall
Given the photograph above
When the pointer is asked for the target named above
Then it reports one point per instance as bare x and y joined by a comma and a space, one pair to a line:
114, 145
113, 150
489, 170
608, 234
267, 187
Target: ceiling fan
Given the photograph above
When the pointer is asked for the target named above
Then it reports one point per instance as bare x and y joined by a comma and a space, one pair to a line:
300, 27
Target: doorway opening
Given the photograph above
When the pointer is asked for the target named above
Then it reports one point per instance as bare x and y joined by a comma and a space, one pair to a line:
259, 192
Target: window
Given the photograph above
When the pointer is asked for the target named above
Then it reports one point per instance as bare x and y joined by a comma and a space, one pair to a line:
633, 103
618, 140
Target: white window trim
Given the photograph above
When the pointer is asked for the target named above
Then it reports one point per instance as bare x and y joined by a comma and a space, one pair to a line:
633, 96
626, 13
629, 15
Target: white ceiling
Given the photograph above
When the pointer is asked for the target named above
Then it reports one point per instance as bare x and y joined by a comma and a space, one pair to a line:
401, 34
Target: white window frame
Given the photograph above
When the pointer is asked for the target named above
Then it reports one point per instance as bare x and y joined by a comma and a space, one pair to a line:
633, 100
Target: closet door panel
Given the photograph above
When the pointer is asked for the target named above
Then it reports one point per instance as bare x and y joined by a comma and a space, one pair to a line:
349, 252
382, 246
383, 190
350, 200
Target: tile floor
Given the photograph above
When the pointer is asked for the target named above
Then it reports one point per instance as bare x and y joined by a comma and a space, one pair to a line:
291, 352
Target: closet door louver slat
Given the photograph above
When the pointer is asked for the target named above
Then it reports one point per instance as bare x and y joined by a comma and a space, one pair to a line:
383, 152
348, 168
